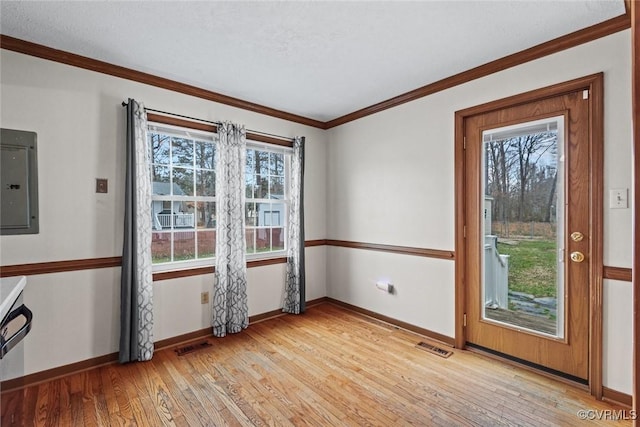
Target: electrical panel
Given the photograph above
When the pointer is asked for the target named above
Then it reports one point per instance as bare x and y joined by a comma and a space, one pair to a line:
18, 182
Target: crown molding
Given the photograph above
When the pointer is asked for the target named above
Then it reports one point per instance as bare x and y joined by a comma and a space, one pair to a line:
45, 52
568, 41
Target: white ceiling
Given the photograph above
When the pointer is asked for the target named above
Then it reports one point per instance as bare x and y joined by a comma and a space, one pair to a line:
317, 59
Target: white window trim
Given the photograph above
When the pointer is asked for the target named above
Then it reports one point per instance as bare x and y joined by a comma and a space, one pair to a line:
183, 265
286, 201
270, 148
181, 132
196, 136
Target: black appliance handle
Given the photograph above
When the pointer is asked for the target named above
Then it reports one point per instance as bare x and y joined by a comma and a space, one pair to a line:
8, 344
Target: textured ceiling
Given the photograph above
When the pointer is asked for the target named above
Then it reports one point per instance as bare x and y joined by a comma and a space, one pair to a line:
316, 59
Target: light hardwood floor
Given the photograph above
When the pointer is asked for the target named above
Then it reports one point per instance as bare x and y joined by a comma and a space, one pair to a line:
328, 367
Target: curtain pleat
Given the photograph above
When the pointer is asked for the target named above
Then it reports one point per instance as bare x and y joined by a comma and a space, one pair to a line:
294, 297
230, 310
136, 283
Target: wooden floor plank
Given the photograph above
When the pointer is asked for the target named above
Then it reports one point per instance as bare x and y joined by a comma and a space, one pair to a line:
302, 397
86, 394
111, 375
42, 405
329, 366
65, 401
165, 404
187, 405
53, 417
13, 405
257, 367
191, 368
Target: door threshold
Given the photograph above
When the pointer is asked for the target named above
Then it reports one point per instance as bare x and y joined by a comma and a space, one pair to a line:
577, 382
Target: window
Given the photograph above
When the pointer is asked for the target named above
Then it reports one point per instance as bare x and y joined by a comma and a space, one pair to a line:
183, 195
184, 201
267, 202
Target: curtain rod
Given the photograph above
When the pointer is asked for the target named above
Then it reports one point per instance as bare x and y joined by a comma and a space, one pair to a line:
124, 104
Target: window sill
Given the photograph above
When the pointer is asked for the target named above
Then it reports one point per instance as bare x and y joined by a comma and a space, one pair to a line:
265, 255
209, 269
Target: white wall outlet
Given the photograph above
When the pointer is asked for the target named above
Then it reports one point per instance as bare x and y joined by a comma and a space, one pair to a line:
618, 198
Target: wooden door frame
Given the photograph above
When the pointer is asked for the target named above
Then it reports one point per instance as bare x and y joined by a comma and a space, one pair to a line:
595, 84
635, 94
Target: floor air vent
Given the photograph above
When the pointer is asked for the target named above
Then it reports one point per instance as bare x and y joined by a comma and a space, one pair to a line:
435, 350
181, 351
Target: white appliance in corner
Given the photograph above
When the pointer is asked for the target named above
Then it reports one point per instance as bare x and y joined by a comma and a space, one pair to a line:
16, 324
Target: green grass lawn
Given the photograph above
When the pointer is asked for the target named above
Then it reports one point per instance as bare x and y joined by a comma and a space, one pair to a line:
532, 266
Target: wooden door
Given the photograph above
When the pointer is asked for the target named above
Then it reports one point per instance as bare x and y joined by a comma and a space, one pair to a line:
528, 228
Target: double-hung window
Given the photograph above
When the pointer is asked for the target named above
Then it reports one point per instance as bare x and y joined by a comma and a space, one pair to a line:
183, 197
267, 199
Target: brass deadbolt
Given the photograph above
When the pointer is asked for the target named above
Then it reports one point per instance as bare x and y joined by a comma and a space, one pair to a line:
577, 256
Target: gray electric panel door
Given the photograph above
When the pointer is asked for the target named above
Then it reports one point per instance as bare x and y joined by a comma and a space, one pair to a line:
18, 182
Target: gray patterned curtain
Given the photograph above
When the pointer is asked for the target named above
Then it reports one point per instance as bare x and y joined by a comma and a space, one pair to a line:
294, 297
136, 283
230, 311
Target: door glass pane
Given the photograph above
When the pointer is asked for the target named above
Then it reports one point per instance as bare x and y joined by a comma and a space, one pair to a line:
523, 226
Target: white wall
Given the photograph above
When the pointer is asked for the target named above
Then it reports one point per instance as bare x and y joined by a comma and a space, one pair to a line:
391, 181
418, 298
80, 125
618, 330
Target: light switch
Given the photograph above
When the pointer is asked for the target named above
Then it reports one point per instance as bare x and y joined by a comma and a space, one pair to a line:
618, 198
101, 185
